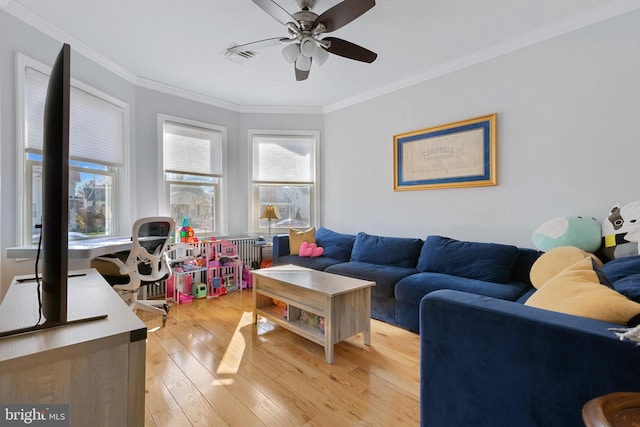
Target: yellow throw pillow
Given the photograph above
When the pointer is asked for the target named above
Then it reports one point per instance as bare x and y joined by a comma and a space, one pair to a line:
297, 237
553, 262
583, 290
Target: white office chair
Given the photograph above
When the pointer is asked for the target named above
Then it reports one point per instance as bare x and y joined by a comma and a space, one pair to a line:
144, 264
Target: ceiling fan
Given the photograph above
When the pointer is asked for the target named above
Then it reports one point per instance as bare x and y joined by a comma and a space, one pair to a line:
305, 43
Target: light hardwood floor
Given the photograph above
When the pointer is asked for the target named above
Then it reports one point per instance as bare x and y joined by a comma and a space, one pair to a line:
209, 366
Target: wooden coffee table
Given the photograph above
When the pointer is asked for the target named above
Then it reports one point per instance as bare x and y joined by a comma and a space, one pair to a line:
322, 307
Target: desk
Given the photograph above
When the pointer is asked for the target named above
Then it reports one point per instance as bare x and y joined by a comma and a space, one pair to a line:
79, 249
97, 367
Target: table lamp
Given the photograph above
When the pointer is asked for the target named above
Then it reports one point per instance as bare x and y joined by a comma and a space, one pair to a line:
270, 213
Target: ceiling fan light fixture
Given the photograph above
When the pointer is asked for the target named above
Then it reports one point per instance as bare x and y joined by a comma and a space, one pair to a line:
291, 52
306, 43
308, 47
321, 56
303, 63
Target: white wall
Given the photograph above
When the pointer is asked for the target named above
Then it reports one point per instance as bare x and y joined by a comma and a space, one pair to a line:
568, 141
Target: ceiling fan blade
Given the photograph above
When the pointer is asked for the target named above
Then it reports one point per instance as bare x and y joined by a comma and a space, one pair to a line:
350, 50
343, 13
276, 11
257, 44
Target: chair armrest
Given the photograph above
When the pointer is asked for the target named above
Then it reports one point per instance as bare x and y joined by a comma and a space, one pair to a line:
103, 269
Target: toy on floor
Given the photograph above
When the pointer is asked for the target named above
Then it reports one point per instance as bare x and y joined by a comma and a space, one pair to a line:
579, 231
621, 231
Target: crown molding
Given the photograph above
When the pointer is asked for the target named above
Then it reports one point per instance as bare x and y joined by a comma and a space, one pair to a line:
41, 24
183, 93
573, 23
203, 99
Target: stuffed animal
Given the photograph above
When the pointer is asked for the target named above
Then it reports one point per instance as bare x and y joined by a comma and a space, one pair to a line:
579, 231
621, 231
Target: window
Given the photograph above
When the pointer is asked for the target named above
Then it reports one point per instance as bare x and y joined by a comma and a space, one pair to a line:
98, 128
193, 168
285, 175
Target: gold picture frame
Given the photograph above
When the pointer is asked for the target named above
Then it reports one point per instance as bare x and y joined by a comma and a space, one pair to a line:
459, 154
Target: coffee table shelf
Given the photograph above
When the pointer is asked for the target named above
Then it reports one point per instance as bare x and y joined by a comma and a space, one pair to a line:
344, 303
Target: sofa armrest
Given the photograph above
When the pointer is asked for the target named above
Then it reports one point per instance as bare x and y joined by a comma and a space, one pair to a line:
488, 362
280, 247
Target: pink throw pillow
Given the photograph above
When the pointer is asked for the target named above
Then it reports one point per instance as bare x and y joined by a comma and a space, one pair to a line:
310, 250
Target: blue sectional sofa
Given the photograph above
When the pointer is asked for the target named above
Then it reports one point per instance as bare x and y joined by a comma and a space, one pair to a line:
486, 362
406, 269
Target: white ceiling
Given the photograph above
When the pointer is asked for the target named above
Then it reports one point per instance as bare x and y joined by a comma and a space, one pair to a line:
176, 46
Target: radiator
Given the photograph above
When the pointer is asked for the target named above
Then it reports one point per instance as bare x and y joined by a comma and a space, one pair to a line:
153, 290
248, 252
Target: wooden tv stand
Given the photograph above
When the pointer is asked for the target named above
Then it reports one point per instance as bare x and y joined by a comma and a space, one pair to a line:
96, 367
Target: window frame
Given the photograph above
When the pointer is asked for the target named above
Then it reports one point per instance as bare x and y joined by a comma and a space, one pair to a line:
220, 211
254, 202
24, 166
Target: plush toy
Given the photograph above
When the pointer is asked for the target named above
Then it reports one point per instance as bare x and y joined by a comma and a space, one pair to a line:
310, 250
621, 231
579, 231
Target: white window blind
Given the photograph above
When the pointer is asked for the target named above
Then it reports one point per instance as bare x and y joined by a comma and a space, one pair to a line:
96, 126
192, 150
283, 158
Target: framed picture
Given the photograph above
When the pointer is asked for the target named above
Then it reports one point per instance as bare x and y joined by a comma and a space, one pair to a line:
460, 154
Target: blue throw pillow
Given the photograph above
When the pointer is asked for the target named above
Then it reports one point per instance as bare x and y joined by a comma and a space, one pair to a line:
490, 262
336, 245
621, 267
393, 251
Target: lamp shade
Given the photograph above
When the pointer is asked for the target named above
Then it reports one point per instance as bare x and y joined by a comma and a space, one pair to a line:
270, 212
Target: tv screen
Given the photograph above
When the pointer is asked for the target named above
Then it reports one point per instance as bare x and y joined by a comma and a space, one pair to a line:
55, 202
55, 190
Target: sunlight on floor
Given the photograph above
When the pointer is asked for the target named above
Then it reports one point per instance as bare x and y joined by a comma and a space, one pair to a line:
235, 348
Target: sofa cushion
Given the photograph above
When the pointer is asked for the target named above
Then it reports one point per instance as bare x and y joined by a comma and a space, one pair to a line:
296, 238
393, 251
489, 262
336, 245
414, 287
583, 290
526, 258
629, 286
621, 267
385, 276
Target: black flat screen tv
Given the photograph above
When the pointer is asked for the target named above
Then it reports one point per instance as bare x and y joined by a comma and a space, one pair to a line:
55, 200
55, 189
